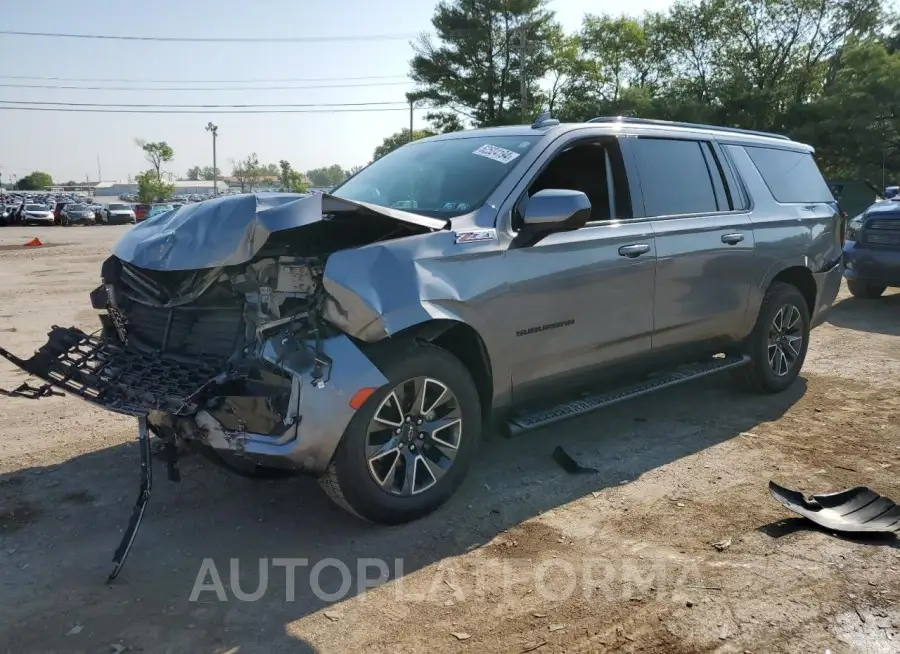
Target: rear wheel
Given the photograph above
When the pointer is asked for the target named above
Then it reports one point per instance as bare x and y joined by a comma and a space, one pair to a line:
777, 346
411, 444
864, 289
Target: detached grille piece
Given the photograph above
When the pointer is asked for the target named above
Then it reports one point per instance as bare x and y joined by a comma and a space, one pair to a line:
120, 379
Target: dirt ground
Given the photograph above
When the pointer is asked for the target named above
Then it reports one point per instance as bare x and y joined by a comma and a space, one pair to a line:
673, 546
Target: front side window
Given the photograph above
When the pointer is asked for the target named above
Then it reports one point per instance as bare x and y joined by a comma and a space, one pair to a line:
675, 177
440, 179
790, 175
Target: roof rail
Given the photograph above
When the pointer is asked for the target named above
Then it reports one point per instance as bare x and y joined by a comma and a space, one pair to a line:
668, 123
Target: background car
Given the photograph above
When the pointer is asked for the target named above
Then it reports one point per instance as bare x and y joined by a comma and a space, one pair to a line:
77, 214
37, 214
157, 209
141, 211
57, 212
116, 213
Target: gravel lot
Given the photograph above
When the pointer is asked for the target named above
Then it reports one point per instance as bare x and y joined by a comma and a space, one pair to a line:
524, 558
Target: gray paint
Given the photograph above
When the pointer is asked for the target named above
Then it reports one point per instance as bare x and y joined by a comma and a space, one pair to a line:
548, 312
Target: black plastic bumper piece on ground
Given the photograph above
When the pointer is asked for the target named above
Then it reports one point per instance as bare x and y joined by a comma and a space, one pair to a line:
140, 505
118, 378
857, 509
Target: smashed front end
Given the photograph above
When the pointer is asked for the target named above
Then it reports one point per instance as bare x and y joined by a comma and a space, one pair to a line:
212, 329
213, 333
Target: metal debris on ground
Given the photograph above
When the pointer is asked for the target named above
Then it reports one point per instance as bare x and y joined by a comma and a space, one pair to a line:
569, 464
855, 510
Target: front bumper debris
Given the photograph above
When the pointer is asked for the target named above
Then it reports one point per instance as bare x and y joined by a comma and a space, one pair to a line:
122, 380
118, 378
855, 510
177, 397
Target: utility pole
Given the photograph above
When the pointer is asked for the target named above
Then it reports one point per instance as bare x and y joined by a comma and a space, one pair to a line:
411, 103
215, 132
99, 174
524, 48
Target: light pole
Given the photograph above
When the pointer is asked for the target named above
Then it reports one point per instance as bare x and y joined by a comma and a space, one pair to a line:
215, 132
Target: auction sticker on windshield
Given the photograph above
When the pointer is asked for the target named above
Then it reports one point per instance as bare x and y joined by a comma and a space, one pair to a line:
496, 153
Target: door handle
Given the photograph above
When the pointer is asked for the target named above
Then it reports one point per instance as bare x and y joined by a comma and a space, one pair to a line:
732, 239
634, 250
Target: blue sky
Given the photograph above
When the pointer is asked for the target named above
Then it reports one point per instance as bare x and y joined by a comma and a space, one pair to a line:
67, 145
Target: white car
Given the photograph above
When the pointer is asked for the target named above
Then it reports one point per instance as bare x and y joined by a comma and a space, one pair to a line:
116, 213
37, 214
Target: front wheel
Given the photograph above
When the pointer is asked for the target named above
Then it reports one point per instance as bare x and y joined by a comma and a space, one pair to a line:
864, 289
410, 445
777, 346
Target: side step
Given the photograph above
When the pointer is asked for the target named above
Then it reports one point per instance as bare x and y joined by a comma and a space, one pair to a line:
587, 403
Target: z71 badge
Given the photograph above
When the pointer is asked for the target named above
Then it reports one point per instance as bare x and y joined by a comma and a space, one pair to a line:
476, 235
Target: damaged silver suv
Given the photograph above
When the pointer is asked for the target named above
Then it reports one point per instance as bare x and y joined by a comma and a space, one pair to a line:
520, 275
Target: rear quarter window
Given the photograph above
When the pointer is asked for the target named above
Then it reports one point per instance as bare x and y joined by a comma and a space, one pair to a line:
790, 175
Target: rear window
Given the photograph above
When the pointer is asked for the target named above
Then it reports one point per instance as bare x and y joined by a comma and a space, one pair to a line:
35, 207
119, 207
674, 177
791, 176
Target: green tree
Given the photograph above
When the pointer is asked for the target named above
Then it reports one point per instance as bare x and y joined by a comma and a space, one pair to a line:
298, 183
397, 139
284, 175
247, 171
472, 72
34, 182
153, 189
193, 174
327, 177
156, 154
209, 173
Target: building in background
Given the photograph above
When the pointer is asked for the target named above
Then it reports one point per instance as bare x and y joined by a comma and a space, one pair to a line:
116, 189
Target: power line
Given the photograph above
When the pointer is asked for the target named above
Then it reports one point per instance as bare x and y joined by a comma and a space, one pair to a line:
202, 81
215, 39
202, 111
206, 88
204, 106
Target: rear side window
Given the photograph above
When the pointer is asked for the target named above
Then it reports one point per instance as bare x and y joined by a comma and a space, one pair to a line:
791, 176
675, 178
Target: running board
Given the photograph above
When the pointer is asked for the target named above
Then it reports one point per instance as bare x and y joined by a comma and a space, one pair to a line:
587, 403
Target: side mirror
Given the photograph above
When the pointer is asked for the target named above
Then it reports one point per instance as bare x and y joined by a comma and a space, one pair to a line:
555, 210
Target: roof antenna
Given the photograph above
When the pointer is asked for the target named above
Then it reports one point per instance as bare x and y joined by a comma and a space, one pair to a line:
544, 120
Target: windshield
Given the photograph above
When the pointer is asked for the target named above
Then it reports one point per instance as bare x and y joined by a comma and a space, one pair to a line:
35, 207
440, 179
77, 207
119, 207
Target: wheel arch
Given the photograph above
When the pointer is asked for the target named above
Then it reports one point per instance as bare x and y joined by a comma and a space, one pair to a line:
802, 279
456, 337
465, 343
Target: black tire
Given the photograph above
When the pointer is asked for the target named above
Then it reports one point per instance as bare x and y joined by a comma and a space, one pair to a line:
348, 481
759, 375
864, 290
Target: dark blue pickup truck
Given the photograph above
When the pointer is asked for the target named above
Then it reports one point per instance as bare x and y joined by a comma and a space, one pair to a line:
872, 250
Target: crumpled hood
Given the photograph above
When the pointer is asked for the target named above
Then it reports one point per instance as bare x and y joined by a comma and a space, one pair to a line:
231, 230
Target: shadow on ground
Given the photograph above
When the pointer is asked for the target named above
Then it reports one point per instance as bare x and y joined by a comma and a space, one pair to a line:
782, 528
877, 316
59, 526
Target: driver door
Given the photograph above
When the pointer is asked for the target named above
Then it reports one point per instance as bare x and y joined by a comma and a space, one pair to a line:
580, 300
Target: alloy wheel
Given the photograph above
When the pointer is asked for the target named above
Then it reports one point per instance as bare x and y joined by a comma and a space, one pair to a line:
414, 436
785, 342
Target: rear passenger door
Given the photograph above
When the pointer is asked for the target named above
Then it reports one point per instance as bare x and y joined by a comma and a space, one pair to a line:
704, 240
